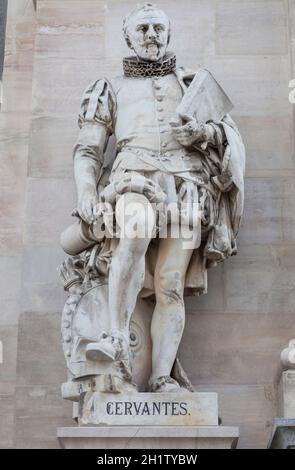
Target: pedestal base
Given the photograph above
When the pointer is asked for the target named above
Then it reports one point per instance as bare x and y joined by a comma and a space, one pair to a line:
283, 434
286, 395
148, 437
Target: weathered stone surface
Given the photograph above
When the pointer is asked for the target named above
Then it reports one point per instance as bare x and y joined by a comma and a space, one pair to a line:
268, 216
292, 29
53, 13
209, 303
39, 407
261, 279
11, 220
250, 407
251, 27
8, 337
14, 133
10, 274
48, 159
13, 167
38, 433
48, 198
77, 41
266, 138
20, 35
288, 217
68, 79
39, 344
20, 8
41, 401
265, 95
7, 414
22, 81
7, 418
18, 63
3, 15
126, 437
40, 288
286, 395
227, 345
14, 136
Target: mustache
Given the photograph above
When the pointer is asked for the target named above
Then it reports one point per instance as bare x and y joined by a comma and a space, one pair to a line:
151, 42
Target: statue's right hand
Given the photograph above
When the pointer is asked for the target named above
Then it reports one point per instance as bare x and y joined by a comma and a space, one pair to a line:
86, 207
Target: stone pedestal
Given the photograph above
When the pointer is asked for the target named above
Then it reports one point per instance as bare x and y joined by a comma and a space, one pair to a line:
283, 434
283, 431
148, 421
286, 395
148, 409
148, 437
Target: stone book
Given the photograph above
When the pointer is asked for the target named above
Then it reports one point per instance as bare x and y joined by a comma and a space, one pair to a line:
204, 100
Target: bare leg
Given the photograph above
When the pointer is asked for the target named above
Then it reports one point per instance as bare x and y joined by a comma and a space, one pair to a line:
135, 216
169, 314
128, 263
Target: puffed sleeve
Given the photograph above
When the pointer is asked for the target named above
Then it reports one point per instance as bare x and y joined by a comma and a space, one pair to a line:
98, 105
96, 118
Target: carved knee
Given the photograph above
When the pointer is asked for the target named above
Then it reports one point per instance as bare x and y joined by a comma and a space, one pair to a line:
169, 288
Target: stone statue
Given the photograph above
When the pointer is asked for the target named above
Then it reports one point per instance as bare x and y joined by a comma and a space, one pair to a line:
163, 157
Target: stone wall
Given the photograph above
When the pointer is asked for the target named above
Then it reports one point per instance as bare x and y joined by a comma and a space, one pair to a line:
234, 334
3, 15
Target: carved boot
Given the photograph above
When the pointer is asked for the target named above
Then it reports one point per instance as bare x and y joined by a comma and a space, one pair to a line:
164, 384
112, 347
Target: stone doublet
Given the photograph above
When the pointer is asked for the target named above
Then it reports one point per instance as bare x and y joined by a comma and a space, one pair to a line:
143, 116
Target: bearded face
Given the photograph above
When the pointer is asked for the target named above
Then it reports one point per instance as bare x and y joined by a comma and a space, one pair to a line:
147, 33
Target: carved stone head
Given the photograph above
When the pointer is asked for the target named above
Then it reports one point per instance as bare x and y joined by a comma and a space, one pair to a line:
147, 32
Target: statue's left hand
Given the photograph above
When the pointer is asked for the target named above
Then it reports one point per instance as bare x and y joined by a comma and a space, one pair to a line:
190, 133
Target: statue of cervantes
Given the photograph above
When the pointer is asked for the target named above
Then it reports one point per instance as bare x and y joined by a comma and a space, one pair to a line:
176, 146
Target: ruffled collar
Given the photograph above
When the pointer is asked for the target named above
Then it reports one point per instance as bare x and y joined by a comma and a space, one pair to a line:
134, 67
